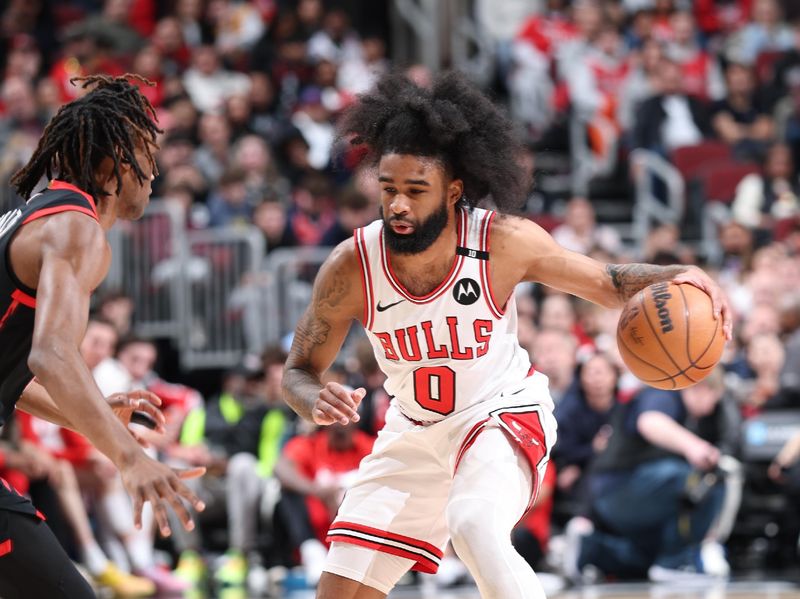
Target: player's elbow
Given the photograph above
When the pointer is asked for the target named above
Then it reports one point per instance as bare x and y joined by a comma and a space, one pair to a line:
46, 359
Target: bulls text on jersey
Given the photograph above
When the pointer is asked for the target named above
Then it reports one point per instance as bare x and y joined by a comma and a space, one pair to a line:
416, 343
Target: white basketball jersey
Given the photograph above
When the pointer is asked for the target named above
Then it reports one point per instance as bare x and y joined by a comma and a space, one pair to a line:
455, 346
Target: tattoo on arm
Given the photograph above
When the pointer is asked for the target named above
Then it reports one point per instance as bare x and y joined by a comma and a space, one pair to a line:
301, 382
628, 279
312, 329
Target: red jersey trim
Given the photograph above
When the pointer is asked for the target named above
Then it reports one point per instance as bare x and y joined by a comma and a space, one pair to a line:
426, 556
529, 435
6, 547
486, 280
23, 298
56, 209
366, 277
469, 439
58, 184
458, 262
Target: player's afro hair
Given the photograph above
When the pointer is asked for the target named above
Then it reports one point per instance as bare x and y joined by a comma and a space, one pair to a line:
453, 122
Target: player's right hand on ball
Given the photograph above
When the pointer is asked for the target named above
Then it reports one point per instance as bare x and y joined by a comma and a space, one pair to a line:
146, 479
337, 404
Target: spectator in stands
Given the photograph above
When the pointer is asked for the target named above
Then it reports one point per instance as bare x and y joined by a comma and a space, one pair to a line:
786, 77
23, 59
594, 83
271, 219
583, 416
742, 118
336, 41
765, 32
671, 118
264, 117
252, 154
212, 156
313, 120
20, 113
117, 308
642, 81
170, 40
293, 151
238, 26
313, 211
654, 461
314, 471
231, 204
533, 52
702, 76
763, 200
238, 436
357, 75
353, 210
209, 83
580, 231
755, 381
554, 354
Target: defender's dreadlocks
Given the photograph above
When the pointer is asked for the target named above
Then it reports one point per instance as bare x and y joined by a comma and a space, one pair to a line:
452, 122
110, 121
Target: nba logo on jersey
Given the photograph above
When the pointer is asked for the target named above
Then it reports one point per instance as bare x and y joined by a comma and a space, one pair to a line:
466, 291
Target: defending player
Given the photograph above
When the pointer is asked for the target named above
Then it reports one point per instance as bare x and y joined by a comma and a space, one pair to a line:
55, 254
470, 428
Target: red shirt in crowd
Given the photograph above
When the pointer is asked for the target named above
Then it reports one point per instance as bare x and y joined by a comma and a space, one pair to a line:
314, 458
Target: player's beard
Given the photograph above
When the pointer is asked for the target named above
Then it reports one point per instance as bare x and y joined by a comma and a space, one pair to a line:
423, 235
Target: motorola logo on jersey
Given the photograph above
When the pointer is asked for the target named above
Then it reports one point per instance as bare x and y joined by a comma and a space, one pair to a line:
466, 291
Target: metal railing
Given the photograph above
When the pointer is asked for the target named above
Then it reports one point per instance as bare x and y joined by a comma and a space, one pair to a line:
220, 279
647, 167
285, 285
147, 255
200, 288
441, 34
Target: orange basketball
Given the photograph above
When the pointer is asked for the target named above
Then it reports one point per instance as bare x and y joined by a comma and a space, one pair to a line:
668, 336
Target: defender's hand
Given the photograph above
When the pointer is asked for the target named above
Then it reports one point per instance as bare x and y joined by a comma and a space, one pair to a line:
146, 479
337, 404
719, 301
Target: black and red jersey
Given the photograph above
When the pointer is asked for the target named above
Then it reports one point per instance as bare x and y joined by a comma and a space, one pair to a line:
17, 301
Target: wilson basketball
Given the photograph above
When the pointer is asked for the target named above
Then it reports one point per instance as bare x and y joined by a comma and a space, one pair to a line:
668, 336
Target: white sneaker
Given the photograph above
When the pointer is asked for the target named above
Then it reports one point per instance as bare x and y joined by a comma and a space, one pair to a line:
686, 575
257, 580
712, 556
577, 528
312, 556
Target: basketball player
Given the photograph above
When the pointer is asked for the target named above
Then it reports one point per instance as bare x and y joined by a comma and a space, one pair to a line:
470, 429
55, 253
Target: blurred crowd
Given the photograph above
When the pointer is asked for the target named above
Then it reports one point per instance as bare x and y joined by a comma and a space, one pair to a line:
248, 94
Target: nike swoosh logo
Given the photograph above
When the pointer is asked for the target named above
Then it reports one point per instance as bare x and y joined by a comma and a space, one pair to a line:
380, 308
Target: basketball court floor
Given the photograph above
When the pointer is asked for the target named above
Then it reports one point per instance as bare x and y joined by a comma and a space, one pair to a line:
733, 590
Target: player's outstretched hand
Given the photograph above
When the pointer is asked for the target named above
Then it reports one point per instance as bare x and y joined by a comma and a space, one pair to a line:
337, 404
145, 479
719, 301
137, 403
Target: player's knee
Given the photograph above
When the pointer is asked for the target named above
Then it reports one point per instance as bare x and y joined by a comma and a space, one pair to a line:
471, 522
